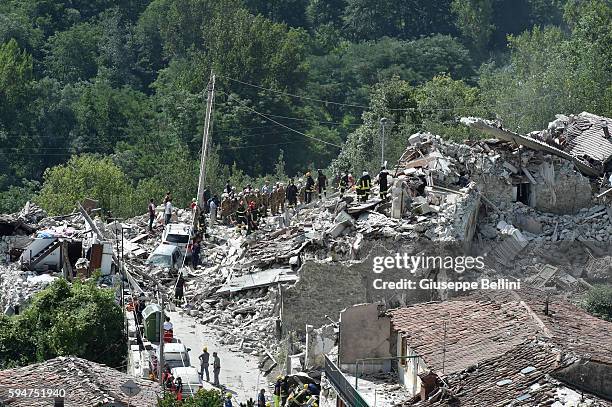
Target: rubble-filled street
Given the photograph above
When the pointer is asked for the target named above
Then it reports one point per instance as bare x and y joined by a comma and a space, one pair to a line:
299, 295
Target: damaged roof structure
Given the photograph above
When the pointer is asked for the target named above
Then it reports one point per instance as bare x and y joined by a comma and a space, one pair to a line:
82, 382
504, 198
519, 348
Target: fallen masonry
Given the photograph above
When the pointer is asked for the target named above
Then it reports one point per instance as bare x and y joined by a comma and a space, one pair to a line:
534, 207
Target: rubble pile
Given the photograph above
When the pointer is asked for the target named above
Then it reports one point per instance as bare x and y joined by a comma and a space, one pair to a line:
18, 287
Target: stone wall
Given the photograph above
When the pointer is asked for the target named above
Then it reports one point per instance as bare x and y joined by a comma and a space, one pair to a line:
323, 289
364, 334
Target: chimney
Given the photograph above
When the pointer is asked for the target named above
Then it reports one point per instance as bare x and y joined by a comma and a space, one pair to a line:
606, 130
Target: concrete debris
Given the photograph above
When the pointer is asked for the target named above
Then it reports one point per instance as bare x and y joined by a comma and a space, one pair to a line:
506, 201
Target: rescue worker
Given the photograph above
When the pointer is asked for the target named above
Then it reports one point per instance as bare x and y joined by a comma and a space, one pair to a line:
195, 254
251, 218
365, 183
277, 391
225, 208
292, 193
241, 215
179, 289
322, 184
310, 188
151, 209
216, 368
204, 359
228, 400
344, 183
281, 197
383, 182
284, 393
207, 195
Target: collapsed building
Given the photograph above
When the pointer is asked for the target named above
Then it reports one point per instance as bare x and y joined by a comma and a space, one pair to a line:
535, 207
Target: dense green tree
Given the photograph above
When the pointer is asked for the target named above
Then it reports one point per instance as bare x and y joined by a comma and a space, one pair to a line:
290, 12
72, 55
84, 176
76, 319
15, 77
322, 12
552, 72
105, 116
475, 21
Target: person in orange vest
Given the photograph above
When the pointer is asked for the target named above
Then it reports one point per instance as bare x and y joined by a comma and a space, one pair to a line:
179, 389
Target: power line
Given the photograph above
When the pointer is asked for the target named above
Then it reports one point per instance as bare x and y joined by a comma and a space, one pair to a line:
295, 96
409, 109
280, 124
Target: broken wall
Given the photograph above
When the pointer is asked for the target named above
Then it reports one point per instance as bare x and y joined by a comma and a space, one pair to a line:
590, 376
319, 342
323, 289
329, 288
364, 333
559, 188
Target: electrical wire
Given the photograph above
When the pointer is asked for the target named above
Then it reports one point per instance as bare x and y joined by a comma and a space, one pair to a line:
280, 124
409, 109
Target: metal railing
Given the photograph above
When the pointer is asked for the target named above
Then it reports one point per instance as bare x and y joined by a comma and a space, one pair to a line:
343, 387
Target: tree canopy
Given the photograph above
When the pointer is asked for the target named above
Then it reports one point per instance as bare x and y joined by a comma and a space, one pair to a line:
76, 319
123, 84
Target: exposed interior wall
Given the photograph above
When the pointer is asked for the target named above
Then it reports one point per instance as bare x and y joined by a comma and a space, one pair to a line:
409, 370
592, 377
559, 188
364, 334
329, 288
319, 342
322, 290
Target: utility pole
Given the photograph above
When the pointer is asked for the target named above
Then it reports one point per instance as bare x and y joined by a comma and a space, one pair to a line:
383, 122
161, 335
207, 119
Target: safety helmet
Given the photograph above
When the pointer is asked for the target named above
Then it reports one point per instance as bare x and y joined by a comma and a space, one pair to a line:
279, 377
205, 348
305, 387
228, 395
365, 173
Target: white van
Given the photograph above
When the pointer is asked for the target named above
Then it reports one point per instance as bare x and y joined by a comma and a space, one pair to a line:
176, 355
190, 377
179, 235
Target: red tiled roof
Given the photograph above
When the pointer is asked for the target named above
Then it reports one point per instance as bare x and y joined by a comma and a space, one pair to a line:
475, 331
85, 383
520, 377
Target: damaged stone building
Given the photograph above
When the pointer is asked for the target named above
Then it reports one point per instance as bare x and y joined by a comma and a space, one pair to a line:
535, 207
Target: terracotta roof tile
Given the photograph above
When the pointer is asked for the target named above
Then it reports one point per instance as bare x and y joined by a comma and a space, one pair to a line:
475, 331
85, 383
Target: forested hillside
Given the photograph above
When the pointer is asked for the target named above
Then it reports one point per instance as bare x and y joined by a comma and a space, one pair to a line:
106, 98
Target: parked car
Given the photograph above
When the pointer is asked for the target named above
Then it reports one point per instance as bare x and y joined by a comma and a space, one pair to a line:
176, 355
166, 256
179, 235
190, 378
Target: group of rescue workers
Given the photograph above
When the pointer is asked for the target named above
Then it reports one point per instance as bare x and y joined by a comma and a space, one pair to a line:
248, 207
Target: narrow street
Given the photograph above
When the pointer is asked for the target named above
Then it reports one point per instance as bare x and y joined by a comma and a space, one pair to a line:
239, 372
